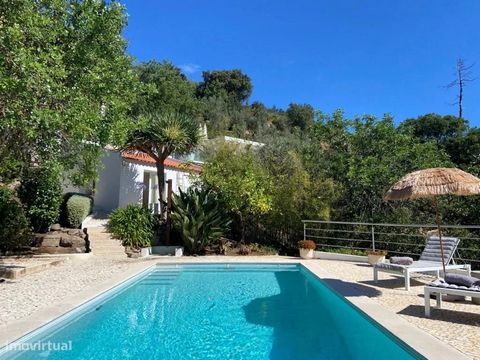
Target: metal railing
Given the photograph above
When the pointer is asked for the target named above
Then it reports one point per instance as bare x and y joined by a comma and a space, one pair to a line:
397, 239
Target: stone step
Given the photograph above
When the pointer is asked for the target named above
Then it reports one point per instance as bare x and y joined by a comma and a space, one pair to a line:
113, 248
105, 240
94, 250
103, 244
110, 253
119, 256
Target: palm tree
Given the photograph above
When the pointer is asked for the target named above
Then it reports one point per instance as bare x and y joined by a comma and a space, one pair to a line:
160, 135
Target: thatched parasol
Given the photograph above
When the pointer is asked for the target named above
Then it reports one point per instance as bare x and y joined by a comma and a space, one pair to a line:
432, 183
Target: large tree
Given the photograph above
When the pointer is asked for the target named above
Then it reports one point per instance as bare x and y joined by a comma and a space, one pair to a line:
364, 157
233, 86
239, 179
166, 90
66, 83
435, 127
300, 115
159, 136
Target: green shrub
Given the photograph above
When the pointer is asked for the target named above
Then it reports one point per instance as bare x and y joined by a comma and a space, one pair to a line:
134, 225
198, 219
14, 226
77, 208
41, 192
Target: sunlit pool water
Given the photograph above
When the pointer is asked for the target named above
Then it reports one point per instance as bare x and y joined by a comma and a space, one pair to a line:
221, 311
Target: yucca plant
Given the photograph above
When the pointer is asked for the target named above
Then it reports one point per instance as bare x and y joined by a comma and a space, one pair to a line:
160, 135
198, 219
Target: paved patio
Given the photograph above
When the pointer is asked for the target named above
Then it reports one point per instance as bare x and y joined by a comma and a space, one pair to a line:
23, 299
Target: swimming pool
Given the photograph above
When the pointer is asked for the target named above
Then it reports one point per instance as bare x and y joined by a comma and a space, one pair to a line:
215, 311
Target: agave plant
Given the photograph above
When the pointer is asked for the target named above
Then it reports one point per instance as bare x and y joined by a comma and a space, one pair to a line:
198, 219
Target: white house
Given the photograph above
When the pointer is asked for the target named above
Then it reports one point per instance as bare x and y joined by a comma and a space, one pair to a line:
130, 177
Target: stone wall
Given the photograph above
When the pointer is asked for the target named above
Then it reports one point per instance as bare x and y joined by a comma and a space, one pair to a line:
61, 241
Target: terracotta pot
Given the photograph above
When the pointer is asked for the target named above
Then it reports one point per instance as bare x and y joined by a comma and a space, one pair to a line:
306, 253
375, 259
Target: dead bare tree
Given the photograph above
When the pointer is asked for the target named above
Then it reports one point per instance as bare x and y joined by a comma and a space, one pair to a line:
463, 75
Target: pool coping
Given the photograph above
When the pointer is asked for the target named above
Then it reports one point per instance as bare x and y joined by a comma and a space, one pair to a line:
425, 344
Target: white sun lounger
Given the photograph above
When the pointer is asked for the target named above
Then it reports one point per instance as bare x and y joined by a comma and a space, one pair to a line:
430, 261
445, 289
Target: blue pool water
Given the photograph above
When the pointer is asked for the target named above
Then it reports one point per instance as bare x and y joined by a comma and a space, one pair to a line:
217, 312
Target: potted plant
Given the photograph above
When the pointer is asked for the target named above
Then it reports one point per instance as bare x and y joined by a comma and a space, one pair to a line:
306, 248
376, 256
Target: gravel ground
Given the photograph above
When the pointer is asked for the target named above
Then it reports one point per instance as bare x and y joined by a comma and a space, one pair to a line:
458, 324
21, 298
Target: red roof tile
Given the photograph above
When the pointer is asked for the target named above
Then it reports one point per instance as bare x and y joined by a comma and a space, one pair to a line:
171, 163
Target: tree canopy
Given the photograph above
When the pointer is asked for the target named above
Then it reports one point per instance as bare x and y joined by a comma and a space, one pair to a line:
301, 116
436, 127
166, 90
66, 84
232, 86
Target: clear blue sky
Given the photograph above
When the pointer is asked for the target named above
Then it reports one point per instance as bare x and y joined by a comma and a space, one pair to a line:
366, 57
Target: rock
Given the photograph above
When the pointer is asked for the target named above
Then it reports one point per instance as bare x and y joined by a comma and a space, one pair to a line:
53, 250
73, 241
65, 242
56, 227
38, 239
51, 240
75, 232
61, 241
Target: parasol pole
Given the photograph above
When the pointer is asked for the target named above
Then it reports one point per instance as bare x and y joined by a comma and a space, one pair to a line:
437, 218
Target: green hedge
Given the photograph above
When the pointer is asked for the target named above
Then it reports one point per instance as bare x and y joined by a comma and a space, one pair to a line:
77, 208
15, 229
134, 225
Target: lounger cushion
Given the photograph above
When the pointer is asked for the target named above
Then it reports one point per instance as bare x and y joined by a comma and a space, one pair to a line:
401, 260
415, 265
442, 284
432, 250
459, 279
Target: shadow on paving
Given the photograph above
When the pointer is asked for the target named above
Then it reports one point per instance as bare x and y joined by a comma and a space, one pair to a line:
396, 283
452, 316
350, 289
364, 265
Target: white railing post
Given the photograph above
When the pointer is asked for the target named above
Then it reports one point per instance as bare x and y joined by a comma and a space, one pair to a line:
373, 238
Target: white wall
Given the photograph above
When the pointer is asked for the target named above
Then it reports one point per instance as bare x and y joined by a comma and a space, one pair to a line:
121, 182
132, 181
108, 185
180, 179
